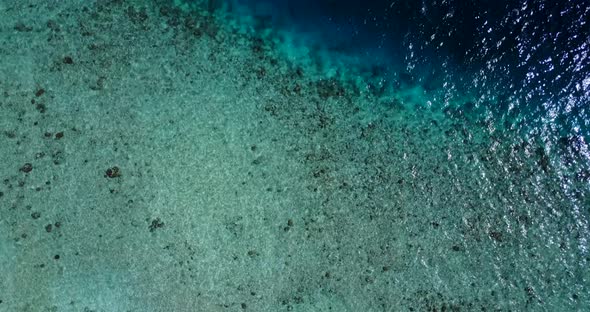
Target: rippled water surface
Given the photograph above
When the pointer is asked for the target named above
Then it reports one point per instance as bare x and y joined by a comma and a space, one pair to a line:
295, 155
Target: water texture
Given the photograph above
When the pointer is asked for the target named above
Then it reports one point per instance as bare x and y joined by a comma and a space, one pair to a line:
294, 156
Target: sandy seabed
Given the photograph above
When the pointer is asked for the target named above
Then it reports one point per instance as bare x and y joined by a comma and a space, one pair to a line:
161, 159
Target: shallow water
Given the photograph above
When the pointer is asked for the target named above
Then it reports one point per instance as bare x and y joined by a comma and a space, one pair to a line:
294, 156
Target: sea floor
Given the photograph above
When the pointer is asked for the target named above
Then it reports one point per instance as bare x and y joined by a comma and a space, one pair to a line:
159, 159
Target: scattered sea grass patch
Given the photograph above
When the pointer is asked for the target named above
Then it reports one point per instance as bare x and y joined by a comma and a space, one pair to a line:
167, 10
99, 85
21, 27
327, 88
272, 108
26, 168
40, 92
68, 60
59, 135
53, 25
258, 46
289, 225
393, 104
156, 224
192, 26
10, 134
57, 157
299, 72
210, 28
41, 107
497, 236
173, 15
583, 175
258, 160
136, 16
543, 160
260, 72
113, 172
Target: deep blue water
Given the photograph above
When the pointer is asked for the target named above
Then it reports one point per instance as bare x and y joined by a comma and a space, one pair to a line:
528, 59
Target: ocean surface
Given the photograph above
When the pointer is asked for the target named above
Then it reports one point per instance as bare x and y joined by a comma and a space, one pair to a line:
259, 155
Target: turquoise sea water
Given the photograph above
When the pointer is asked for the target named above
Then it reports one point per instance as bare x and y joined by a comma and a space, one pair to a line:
294, 156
